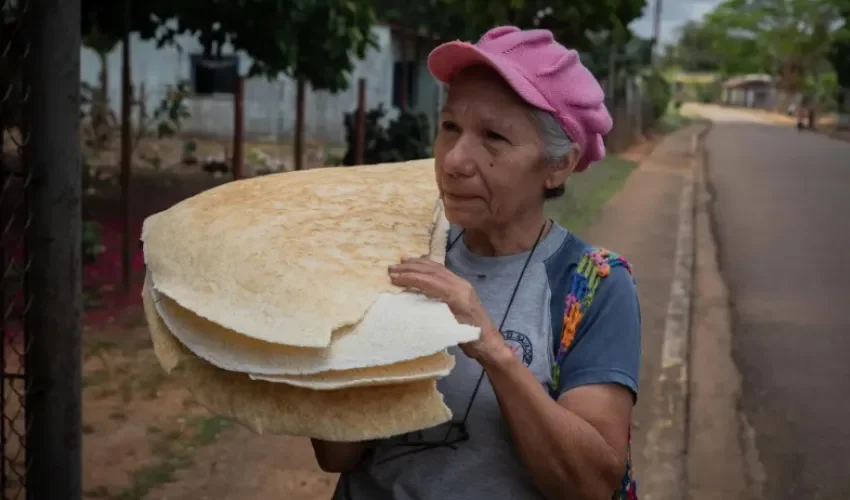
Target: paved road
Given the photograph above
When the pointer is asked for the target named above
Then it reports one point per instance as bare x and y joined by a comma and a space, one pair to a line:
782, 212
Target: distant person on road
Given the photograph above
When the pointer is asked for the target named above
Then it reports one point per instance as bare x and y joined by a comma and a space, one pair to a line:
802, 114
542, 402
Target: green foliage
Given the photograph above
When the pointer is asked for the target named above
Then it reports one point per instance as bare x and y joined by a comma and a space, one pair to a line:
659, 92
710, 46
92, 241
789, 38
311, 39
172, 110
571, 21
103, 21
839, 54
633, 55
405, 138
708, 93
92, 230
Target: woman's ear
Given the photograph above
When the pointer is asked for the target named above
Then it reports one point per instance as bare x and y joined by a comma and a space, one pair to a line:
559, 174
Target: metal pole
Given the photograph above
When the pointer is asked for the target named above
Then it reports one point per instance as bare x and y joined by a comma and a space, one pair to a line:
126, 152
53, 284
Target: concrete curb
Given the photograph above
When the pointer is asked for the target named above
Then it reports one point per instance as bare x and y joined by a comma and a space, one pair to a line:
665, 471
722, 461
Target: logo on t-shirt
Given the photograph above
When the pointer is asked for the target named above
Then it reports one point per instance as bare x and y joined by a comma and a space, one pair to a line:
520, 345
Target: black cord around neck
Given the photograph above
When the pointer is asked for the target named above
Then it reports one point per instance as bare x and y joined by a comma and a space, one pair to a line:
504, 319
420, 447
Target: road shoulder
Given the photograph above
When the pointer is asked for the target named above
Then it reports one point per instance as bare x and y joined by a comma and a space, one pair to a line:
722, 462
650, 222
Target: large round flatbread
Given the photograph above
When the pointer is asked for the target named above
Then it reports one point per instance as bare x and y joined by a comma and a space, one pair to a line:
425, 368
357, 414
397, 328
290, 258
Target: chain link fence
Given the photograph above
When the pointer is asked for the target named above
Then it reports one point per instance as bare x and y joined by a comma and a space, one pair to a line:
14, 219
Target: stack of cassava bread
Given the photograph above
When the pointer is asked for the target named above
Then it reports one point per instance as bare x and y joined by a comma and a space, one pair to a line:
269, 299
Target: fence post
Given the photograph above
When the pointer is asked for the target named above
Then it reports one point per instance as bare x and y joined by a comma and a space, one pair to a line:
126, 153
298, 146
360, 139
238, 128
53, 241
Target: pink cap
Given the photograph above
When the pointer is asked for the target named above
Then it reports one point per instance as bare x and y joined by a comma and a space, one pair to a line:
544, 73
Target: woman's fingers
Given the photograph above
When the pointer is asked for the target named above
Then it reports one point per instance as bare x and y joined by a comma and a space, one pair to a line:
417, 265
426, 283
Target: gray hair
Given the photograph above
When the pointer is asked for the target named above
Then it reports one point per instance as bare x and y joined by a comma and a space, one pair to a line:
556, 144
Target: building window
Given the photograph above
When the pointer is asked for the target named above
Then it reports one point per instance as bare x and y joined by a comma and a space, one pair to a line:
398, 77
214, 76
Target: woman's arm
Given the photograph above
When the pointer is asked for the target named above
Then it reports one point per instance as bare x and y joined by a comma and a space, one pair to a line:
576, 447
338, 457
573, 448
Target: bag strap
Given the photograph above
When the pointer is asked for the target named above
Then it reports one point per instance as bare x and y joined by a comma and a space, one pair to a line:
595, 265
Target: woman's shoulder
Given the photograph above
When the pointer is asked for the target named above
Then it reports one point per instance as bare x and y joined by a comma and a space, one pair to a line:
586, 259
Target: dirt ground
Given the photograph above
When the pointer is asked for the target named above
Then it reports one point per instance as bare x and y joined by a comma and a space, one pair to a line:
145, 438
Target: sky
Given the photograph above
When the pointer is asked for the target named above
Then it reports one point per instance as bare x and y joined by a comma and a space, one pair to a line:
674, 14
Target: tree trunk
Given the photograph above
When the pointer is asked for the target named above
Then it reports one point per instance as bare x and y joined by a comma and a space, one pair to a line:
100, 103
126, 154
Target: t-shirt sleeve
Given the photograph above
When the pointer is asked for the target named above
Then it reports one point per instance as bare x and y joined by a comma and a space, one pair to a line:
606, 348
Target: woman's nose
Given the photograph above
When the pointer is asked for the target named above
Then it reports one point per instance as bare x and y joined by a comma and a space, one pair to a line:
459, 160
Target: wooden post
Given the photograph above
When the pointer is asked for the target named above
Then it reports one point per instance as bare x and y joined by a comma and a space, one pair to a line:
298, 147
126, 152
52, 297
405, 73
238, 128
360, 144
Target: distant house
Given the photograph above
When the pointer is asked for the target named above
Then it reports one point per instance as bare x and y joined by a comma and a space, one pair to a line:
750, 91
270, 105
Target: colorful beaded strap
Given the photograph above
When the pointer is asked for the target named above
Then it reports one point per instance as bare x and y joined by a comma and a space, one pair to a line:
594, 265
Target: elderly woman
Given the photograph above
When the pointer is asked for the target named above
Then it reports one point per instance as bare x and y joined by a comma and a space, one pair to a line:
542, 401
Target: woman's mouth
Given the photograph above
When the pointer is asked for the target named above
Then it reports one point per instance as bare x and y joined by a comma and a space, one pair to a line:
458, 197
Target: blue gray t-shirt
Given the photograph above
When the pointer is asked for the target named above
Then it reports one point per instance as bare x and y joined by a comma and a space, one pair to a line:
606, 349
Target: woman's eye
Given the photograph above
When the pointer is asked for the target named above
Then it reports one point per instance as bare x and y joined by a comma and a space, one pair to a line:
494, 136
449, 126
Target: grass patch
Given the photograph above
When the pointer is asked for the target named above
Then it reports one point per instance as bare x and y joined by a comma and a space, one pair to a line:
588, 192
173, 451
673, 121
207, 429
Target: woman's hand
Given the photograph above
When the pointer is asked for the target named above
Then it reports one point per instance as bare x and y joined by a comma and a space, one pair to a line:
437, 282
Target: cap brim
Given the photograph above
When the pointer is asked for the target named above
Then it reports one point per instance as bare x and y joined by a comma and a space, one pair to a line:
449, 58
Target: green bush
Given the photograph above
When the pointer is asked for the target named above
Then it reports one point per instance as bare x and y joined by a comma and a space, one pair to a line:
659, 92
92, 238
708, 93
405, 138
92, 231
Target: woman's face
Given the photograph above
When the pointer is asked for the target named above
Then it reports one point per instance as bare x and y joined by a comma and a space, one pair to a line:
488, 154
